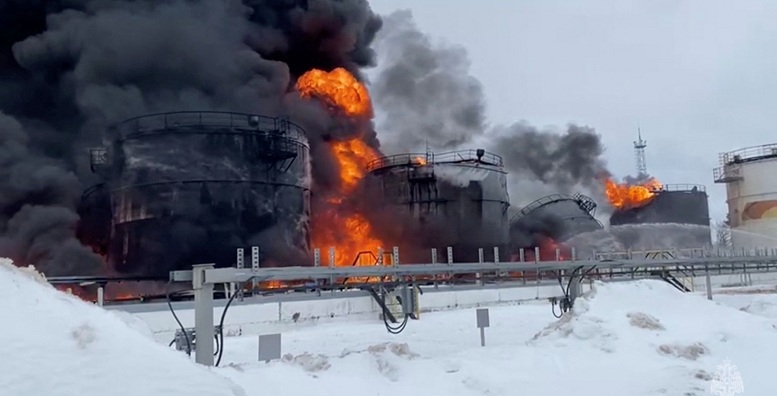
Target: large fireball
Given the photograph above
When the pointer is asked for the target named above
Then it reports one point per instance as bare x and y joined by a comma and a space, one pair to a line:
348, 231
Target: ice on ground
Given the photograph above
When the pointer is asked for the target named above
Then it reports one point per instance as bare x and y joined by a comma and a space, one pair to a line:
56, 344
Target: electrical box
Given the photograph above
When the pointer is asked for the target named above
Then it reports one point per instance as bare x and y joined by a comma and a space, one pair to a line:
408, 296
181, 343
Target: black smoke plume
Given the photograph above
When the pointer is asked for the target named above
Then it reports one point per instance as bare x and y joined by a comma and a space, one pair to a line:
37, 207
425, 93
70, 68
550, 161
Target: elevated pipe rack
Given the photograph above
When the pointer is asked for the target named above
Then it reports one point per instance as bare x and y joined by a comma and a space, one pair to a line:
204, 276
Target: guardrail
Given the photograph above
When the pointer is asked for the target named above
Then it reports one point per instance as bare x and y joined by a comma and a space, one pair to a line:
422, 159
406, 159
683, 187
748, 154
150, 123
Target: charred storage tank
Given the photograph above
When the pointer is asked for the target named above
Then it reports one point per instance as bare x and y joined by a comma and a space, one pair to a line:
558, 217
683, 205
751, 194
191, 187
457, 199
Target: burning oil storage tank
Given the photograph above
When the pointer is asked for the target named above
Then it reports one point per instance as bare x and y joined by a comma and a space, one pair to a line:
457, 199
559, 217
684, 205
190, 187
751, 195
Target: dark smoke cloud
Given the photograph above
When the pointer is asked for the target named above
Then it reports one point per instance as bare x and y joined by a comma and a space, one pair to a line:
531, 233
68, 68
424, 91
37, 207
548, 161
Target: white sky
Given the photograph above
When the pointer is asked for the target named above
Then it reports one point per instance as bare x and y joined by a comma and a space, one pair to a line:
697, 76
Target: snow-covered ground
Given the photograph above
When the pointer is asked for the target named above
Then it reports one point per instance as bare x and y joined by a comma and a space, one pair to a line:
55, 344
641, 338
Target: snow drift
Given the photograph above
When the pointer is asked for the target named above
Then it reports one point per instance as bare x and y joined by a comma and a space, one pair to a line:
56, 344
649, 326
631, 338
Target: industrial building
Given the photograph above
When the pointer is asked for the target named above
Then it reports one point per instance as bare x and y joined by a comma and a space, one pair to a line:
190, 187
458, 198
681, 204
750, 176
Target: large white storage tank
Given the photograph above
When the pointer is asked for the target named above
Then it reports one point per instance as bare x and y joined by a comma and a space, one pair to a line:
750, 175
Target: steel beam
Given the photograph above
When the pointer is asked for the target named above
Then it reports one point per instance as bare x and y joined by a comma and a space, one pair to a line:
225, 275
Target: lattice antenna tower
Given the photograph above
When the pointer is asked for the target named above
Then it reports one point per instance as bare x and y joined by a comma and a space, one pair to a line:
639, 152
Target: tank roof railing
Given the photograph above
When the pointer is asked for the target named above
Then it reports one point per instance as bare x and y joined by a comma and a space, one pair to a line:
683, 187
537, 203
746, 154
152, 123
470, 155
449, 157
406, 159
581, 200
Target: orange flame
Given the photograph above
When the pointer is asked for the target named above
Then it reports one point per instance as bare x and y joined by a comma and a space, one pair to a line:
420, 161
339, 89
343, 93
624, 196
274, 284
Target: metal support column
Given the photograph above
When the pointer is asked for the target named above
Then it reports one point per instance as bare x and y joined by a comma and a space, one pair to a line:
254, 266
478, 275
203, 314
574, 289
240, 264
708, 282
317, 263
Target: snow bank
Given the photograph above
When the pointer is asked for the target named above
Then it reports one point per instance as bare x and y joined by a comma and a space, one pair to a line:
757, 301
630, 338
56, 344
652, 325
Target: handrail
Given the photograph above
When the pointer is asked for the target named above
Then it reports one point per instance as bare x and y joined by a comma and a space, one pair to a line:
448, 157
578, 198
487, 158
406, 159
683, 187
749, 153
158, 122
